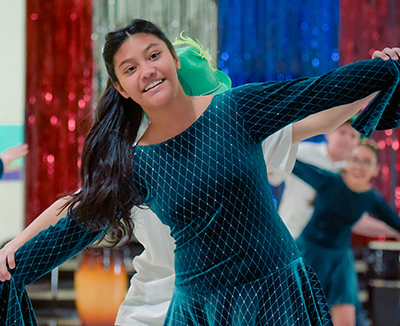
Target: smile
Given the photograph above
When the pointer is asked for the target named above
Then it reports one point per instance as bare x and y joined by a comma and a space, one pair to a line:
153, 84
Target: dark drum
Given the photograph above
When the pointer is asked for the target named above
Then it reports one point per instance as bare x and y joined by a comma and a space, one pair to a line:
384, 260
384, 282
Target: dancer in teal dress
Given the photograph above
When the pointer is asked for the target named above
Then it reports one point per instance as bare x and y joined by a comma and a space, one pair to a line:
341, 200
199, 167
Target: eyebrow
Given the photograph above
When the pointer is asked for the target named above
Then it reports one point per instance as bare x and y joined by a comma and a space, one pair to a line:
144, 51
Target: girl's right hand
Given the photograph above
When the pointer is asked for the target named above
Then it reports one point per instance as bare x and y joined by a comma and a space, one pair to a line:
6, 258
387, 53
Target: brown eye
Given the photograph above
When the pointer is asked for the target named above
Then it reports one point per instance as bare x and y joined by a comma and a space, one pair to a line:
154, 55
129, 69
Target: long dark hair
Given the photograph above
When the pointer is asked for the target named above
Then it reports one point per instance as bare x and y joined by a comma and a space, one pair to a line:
108, 193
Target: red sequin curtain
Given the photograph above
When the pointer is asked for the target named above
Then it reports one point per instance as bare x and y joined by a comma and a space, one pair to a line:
58, 97
366, 26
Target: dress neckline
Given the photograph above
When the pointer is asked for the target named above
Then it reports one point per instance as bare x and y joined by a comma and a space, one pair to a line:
182, 132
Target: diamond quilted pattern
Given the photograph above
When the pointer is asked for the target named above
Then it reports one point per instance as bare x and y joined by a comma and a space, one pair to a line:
235, 261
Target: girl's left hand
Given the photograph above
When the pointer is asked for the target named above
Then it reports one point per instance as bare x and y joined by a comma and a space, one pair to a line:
12, 154
387, 53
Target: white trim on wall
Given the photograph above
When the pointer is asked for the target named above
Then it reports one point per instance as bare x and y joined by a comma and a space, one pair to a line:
12, 107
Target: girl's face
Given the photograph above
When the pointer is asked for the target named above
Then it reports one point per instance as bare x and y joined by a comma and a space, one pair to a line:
342, 141
362, 165
146, 71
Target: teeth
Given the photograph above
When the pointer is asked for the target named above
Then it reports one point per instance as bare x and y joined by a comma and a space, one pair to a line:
152, 85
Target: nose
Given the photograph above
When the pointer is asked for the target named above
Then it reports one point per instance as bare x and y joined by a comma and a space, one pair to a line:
147, 70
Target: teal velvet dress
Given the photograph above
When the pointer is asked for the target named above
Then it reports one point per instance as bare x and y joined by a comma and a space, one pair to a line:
326, 239
1, 168
235, 261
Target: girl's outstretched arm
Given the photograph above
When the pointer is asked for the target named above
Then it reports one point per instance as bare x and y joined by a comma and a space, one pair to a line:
327, 121
268, 107
49, 217
372, 227
36, 257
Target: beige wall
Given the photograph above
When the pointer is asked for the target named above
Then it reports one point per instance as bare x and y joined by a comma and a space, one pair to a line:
12, 98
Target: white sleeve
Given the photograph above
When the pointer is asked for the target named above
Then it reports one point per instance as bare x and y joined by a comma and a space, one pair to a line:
279, 154
150, 292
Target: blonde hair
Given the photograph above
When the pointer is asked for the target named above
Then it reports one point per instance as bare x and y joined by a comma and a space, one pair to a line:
372, 145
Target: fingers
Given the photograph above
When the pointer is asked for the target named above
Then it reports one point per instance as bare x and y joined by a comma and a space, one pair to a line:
16, 151
12, 154
6, 256
6, 276
387, 53
21, 150
11, 260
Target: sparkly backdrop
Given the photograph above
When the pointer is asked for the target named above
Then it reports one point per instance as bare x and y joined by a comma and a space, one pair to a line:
58, 96
257, 41
378, 26
277, 40
367, 26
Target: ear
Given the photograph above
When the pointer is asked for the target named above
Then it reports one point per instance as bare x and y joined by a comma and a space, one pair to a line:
119, 88
376, 172
177, 63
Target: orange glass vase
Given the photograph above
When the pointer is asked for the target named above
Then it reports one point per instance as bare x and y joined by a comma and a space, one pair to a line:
100, 285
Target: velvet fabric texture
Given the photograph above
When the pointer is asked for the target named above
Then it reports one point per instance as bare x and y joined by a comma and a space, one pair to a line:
209, 184
38, 256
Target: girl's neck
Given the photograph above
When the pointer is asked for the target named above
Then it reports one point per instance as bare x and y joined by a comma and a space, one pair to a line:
172, 120
354, 185
334, 156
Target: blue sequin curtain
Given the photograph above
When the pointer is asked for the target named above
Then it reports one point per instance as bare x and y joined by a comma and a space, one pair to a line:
263, 40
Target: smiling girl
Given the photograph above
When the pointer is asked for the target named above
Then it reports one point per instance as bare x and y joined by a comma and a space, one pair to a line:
341, 200
200, 167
